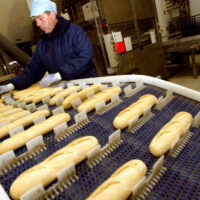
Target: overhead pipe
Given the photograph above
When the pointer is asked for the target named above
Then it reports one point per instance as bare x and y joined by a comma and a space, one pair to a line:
184, 91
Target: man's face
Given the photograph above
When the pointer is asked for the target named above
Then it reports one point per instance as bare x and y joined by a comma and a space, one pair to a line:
46, 22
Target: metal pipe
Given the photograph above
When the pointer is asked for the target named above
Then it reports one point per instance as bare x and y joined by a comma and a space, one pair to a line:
192, 94
14, 51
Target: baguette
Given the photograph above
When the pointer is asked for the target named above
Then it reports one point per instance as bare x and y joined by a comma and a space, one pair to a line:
2, 104
82, 95
46, 172
170, 133
33, 92
134, 110
20, 139
3, 108
38, 95
119, 185
65, 93
24, 121
49, 93
105, 95
10, 111
3, 96
14, 116
17, 94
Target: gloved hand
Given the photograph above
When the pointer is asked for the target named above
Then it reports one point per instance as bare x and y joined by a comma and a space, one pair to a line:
6, 88
49, 79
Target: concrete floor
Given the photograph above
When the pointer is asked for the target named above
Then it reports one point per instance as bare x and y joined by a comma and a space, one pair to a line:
186, 79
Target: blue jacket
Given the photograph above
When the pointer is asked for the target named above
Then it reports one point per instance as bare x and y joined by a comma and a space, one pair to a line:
67, 50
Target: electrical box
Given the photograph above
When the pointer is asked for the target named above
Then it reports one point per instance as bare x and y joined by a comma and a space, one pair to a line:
90, 10
128, 43
112, 55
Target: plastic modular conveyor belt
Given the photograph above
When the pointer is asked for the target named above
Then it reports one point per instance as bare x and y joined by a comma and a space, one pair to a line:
174, 176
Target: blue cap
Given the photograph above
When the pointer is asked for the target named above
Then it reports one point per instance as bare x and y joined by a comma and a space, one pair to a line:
41, 6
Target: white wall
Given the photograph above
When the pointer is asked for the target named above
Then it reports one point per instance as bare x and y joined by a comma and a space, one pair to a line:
194, 7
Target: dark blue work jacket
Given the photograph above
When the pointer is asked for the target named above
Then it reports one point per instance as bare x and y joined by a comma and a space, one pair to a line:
67, 50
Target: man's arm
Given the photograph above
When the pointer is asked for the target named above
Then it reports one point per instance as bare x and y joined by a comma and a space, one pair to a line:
33, 72
83, 61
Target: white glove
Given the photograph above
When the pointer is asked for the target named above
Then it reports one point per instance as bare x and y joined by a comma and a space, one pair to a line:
6, 88
49, 79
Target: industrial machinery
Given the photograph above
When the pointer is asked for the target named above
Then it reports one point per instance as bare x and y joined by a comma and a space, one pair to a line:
175, 175
136, 49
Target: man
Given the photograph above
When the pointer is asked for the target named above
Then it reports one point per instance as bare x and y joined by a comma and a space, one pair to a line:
65, 51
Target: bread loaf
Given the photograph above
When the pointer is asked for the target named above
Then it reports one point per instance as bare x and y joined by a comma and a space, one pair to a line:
2, 104
10, 111
65, 93
14, 116
28, 98
136, 109
119, 185
82, 95
7, 107
170, 133
18, 94
49, 93
30, 93
38, 95
105, 95
20, 139
46, 172
3, 96
24, 121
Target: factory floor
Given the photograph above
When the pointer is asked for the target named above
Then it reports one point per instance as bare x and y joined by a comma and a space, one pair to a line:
186, 79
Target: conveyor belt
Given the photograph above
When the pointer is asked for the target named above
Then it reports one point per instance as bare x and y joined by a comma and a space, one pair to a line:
180, 181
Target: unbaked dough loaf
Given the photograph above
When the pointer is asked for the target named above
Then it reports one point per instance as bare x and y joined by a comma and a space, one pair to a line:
65, 93
2, 105
121, 183
28, 98
24, 121
136, 109
30, 93
4, 108
170, 133
82, 95
10, 111
20, 139
14, 116
3, 96
49, 93
105, 95
46, 172
38, 95
18, 94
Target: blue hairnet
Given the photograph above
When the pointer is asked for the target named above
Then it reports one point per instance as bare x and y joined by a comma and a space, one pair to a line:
40, 6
